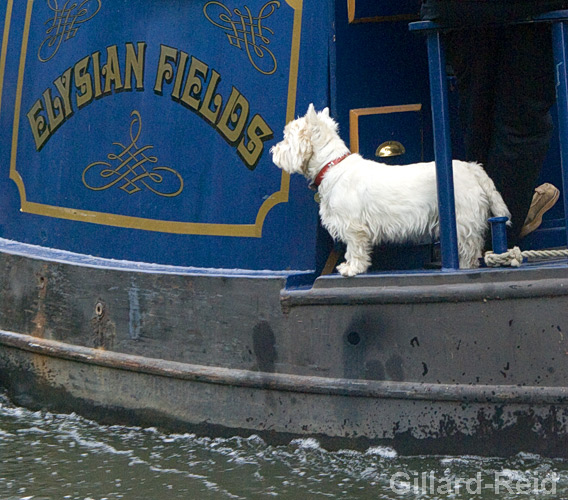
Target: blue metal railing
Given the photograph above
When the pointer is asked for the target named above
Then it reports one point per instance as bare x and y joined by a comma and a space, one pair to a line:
441, 123
559, 20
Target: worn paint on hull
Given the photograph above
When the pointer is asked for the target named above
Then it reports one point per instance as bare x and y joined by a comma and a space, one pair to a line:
347, 364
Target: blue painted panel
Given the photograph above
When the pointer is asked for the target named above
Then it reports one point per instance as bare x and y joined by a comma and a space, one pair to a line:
380, 64
141, 130
114, 152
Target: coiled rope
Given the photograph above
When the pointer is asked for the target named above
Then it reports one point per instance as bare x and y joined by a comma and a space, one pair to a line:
514, 256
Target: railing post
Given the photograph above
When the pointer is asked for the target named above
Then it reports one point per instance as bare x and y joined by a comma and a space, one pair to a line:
499, 234
442, 150
559, 39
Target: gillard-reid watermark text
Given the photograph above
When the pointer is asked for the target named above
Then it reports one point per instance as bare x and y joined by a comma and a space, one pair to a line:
498, 483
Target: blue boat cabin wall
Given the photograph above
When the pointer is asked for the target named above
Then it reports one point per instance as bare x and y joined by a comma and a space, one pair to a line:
389, 101
381, 95
141, 130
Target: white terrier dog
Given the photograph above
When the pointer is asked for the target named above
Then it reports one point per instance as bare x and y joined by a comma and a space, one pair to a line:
364, 203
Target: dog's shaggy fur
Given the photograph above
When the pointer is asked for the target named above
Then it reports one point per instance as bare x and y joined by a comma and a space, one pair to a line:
364, 203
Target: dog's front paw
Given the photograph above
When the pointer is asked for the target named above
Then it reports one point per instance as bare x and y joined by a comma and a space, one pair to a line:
349, 269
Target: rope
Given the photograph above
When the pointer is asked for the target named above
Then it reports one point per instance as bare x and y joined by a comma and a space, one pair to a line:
514, 256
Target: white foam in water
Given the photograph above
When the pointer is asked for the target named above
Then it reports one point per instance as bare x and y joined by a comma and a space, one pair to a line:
463, 460
174, 438
515, 475
32, 430
97, 446
349, 453
157, 468
528, 456
382, 451
255, 439
306, 444
11, 411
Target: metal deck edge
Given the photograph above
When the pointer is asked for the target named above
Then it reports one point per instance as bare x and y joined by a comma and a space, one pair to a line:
416, 293
36, 252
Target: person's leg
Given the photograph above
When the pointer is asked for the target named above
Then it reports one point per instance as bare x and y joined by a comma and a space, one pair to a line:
472, 55
522, 126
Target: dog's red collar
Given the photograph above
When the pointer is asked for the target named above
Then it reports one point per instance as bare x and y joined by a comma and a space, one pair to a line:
326, 167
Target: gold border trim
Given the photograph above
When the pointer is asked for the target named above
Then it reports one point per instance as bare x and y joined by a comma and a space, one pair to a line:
376, 19
354, 115
109, 219
4, 51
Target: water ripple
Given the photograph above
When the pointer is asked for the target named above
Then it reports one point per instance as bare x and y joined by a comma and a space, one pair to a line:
49, 456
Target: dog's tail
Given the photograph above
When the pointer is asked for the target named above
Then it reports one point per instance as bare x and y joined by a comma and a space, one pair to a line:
496, 204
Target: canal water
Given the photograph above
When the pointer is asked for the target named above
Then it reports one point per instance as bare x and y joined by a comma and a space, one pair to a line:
50, 456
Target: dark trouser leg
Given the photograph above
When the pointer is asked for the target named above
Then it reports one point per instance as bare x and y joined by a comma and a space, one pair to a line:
506, 83
472, 55
523, 125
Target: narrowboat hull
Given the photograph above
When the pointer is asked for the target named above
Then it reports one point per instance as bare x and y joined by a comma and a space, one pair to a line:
426, 363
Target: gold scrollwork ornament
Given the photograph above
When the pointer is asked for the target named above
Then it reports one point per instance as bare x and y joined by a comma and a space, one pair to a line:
246, 31
129, 168
65, 23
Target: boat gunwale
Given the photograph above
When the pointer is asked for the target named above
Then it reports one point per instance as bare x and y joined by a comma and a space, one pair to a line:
66, 257
426, 289
460, 393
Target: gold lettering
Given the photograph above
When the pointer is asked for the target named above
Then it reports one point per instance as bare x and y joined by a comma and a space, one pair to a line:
193, 85
183, 57
111, 71
234, 117
135, 64
83, 82
198, 90
205, 109
55, 119
63, 84
97, 74
165, 70
258, 132
40, 128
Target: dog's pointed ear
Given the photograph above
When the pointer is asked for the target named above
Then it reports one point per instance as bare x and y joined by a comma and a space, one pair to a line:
311, 115
325, 113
